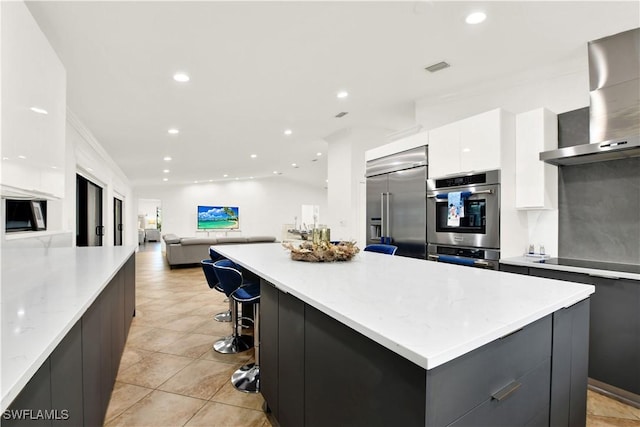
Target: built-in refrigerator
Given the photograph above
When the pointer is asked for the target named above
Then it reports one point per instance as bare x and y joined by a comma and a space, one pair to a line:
396, 201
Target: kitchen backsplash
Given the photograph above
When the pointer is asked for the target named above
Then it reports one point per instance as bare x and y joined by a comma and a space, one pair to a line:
598, 203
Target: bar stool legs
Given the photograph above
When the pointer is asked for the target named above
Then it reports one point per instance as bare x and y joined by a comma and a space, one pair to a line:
247, 377
225, 316
235, 343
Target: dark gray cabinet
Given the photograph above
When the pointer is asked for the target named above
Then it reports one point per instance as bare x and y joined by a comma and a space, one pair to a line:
614, 326
510, 381
73, 386
614, 354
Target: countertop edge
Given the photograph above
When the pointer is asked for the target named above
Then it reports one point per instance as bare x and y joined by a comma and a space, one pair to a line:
519, 261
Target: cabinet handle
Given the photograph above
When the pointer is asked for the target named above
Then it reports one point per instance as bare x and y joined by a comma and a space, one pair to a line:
506, 391
604, 276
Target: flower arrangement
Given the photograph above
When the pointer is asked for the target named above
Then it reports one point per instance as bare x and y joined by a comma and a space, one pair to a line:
323, 251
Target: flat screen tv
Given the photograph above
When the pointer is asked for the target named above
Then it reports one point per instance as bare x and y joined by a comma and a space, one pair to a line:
217, 217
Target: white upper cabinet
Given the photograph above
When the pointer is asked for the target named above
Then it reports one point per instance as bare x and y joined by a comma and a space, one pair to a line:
536, 181
472, 144
33, 108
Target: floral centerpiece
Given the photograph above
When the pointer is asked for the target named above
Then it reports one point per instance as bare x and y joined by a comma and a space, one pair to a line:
322, 251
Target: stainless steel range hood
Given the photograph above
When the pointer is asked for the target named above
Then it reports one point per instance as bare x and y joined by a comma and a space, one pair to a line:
614, 84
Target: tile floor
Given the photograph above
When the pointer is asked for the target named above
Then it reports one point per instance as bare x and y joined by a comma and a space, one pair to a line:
170, 375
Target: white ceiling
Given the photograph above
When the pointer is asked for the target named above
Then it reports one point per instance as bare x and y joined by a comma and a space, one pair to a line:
258, 68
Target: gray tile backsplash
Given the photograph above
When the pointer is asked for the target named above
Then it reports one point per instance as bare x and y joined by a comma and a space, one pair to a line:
599, 211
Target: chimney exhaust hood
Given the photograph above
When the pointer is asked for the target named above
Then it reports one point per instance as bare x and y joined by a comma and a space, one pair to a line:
614, 113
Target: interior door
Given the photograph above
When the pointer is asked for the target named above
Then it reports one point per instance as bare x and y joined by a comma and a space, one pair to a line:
89, 226
117, 222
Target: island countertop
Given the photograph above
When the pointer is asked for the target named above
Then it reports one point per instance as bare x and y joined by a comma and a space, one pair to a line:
430, 313
44, 293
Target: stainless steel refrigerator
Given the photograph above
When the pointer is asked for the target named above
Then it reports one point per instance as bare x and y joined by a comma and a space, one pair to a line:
396, 201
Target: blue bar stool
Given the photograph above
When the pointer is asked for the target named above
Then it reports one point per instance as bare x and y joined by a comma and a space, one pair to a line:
212, 281
247, 377
231, 281
380, 248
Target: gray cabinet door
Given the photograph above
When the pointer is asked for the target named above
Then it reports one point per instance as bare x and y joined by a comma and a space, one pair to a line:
66, 378
269, 346
36, 395
614, 353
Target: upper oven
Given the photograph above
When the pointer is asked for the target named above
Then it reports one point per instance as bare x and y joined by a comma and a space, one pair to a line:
476, 224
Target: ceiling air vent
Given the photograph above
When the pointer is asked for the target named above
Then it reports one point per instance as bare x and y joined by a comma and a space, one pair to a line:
339, 115
437, 67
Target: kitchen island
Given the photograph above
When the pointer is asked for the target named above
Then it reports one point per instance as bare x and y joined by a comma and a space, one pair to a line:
65, 317
383, 340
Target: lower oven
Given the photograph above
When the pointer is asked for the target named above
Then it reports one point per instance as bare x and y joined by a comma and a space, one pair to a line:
472, 232
473, 257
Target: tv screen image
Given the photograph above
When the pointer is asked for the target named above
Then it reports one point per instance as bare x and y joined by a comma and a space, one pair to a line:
217, 217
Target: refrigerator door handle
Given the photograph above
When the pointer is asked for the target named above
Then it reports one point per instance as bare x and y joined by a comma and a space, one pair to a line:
382, 216
387, 214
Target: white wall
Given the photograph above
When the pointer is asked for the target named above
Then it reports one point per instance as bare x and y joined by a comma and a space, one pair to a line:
265, 204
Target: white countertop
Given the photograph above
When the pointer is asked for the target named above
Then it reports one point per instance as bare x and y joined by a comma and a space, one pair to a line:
427, 312
528, 262
43, 294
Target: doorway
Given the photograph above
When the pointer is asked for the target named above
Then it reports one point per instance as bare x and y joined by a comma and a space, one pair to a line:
117, 222
89, 227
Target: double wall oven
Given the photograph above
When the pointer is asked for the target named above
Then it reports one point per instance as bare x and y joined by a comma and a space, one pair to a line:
474, 237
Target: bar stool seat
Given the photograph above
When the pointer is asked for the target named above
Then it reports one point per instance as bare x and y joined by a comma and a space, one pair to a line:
212, 281
381, 248
230, 279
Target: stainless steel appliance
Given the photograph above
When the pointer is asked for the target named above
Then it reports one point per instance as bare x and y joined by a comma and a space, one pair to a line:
614, 84
396, 207
475, 239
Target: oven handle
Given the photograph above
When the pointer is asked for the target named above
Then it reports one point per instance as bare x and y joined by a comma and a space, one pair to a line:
473, 193
462, 261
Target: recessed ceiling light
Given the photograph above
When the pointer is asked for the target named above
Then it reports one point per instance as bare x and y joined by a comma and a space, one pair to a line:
166, 171
275, 172
295, 165
466, 150
253, 156
318, 154
342, 94
174, 131
237, 178
195, 182
54, 167
475, 18
225, 175
167, 159
5, 158
165, 179
250, 177
22, 157
288, 131
39, 110
210, 180
181, 77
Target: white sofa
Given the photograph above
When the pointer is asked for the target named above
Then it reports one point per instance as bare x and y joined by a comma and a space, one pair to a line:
192, 250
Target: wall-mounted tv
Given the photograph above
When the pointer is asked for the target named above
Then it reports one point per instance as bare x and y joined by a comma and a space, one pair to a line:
218, 217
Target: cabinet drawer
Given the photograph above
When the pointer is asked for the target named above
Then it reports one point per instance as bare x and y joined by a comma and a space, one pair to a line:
526, 405
457, 387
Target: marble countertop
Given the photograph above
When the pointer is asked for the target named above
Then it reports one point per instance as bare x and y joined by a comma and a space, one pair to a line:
428, 312
529, 262
44, 292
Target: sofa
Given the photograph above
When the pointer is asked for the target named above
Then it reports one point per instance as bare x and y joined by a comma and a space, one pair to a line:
192, 250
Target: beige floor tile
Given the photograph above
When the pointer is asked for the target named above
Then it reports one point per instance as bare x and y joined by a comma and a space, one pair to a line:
123, 397
214, 328
159, 409
153, 370
184, 323
232, 359
154, 339
190, 345
215, 414
201, 379
601, 421
598, 404
131, 356
230, 396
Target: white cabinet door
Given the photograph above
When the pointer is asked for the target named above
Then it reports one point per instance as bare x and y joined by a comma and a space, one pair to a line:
444, 150
536, 181
472, 144
33, 108
480, 140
